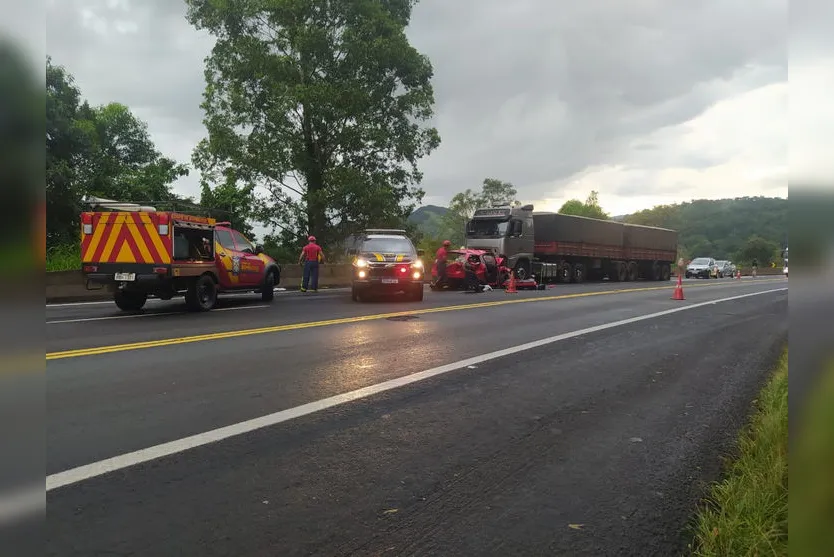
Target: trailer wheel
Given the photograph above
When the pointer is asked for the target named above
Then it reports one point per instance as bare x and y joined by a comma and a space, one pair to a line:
666, 272
633, 271
578, 273
565, 273
202, 294
130, 301
657, 271
618, 272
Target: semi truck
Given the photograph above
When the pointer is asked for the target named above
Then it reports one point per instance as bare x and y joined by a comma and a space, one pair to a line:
554, 247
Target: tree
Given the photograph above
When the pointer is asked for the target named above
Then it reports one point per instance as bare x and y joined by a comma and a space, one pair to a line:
228, 202
103, 151
493, 192
758, 248
319, 103
498, 193
125, 164
590, 208
68, 146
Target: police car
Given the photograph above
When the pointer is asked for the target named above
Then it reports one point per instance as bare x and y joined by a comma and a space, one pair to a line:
386, 262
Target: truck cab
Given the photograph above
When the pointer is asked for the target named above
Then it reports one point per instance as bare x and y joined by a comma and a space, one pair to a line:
505, 231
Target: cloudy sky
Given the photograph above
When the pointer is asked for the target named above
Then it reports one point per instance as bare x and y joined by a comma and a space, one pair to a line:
646, 101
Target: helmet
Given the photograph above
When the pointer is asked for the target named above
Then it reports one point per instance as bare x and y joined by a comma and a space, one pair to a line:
311, 238
447, 243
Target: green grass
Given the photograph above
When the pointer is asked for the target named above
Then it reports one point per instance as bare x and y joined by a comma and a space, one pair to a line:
812, 457
746, 514
63, 258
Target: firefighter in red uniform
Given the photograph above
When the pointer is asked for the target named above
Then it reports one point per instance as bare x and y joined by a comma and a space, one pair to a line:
440, 260
311, 256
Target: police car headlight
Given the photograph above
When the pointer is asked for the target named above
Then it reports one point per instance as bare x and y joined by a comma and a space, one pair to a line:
361, 263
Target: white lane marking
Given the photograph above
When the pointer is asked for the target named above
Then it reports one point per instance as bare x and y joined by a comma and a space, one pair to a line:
87, 471
278, 290
106, 318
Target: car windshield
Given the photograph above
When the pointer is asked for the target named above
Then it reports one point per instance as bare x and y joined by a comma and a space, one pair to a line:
720, 263
387, 245
700, 261
489, 228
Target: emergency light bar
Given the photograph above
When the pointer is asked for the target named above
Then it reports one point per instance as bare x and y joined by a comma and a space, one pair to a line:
384, 231
116, 205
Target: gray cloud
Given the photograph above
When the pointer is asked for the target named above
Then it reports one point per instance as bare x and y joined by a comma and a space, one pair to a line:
527, 91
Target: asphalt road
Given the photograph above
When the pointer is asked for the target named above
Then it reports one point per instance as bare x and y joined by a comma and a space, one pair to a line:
589, 444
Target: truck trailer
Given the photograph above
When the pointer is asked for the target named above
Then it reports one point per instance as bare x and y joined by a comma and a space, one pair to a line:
565, 248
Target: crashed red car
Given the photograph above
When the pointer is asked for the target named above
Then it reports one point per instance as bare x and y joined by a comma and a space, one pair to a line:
491, 270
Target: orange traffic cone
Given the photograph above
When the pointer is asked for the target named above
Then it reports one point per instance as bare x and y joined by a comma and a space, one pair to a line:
511, 286
738, 274
678, 295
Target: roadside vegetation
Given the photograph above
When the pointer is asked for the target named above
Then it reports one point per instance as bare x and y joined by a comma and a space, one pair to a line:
747, 512
63, 257
812, 488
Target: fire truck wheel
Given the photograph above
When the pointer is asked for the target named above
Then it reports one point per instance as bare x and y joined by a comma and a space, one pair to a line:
268, 289
130, 301
202, 294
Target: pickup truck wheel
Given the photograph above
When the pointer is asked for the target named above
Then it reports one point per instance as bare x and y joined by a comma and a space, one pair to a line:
130, 301
268, 289
202, 294
417, 294
522, 270
354, 294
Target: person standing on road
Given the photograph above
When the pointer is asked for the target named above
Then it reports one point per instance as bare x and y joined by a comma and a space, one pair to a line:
311, 256
440, 261
755, 266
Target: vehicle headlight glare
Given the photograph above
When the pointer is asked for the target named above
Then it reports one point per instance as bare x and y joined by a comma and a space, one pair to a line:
361, 263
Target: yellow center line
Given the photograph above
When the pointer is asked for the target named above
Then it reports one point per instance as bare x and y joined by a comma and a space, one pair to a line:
356, 319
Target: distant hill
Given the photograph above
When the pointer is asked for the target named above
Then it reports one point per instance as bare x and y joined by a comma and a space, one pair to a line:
426, 213
428, 219
720, 228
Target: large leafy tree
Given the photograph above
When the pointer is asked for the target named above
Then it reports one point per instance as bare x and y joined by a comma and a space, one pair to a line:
103, 151
589, 208
320, 103
125, 164
68, 148
498, 192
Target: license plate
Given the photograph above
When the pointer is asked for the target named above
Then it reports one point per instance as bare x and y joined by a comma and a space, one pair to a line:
125, 276
390, 281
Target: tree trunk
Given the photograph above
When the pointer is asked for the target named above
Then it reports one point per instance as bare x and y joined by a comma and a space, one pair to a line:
314, 177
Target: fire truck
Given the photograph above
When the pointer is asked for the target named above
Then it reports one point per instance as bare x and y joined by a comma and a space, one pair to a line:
138, 252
